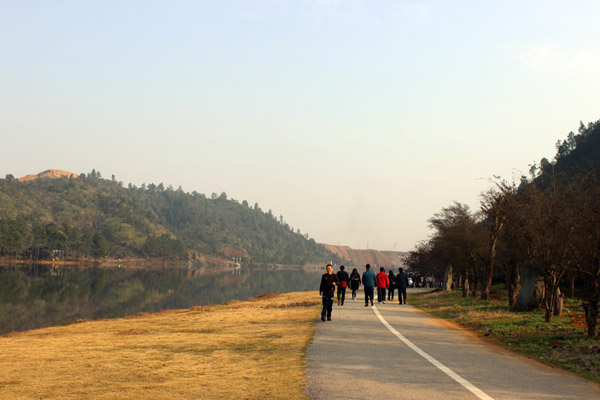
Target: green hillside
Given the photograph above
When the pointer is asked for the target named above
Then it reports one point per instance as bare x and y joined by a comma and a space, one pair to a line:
577, 153
91, 216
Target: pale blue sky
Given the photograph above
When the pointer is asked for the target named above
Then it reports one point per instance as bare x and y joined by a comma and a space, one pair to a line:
355, 120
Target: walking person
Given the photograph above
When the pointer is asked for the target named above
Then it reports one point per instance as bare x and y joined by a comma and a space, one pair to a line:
401, 285
369, 280
383, 283
341, 288
392, 288
355, 282
328, 283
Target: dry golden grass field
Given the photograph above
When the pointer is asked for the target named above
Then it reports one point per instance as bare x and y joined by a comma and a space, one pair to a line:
242, 350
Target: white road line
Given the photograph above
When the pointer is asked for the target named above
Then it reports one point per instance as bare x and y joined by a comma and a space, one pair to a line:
468, 385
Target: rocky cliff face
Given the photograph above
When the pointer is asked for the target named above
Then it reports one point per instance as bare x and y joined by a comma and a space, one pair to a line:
50, 173
376, 258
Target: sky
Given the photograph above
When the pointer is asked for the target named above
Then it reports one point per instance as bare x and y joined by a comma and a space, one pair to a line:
355, 120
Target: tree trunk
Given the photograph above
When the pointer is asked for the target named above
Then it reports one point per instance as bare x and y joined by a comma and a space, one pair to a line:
489, 269
513, 282
550, 294
547, 300
477, 282
448, 279
487, 282
591, 316
558, 303
465, 287
572, 286
547, 312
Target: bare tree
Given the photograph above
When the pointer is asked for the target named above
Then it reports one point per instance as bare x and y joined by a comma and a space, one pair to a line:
492, 208
547, 226
511, 252
459, 237
586, 247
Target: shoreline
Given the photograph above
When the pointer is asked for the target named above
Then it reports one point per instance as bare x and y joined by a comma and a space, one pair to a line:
114, 262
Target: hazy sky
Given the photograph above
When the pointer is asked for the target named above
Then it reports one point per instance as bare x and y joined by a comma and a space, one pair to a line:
355, 120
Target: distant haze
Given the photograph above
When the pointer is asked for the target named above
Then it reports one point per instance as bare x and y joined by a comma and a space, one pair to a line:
355, 120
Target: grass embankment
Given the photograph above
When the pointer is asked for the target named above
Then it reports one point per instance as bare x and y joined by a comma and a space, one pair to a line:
242, 350
563, 342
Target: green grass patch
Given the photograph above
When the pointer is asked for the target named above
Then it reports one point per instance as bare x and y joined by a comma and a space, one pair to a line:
562, 342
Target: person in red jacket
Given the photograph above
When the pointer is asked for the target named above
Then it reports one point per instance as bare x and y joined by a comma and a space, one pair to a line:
383, 282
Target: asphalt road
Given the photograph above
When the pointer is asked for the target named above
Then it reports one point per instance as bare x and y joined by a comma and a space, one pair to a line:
356, 356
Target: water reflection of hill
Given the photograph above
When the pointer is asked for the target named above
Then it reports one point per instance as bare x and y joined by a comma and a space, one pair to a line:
36, 296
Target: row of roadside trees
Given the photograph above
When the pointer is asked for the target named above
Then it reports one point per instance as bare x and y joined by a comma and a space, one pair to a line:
548, 222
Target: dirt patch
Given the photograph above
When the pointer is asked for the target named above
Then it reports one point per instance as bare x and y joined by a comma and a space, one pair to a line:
200, 308
130, 332
265, 297
50, 173
294, 305
578, 320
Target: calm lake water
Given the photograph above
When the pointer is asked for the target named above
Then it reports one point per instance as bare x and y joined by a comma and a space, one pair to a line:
37, 296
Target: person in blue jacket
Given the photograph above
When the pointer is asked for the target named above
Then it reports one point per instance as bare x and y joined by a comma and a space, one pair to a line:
369, 282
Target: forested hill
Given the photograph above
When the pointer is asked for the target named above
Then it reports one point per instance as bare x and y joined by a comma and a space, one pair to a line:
88, 215
577, 153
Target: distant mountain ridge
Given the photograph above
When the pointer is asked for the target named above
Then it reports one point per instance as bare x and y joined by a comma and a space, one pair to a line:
377, 258
49, 173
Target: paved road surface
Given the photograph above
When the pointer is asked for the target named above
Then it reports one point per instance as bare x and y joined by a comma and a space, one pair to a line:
356, 356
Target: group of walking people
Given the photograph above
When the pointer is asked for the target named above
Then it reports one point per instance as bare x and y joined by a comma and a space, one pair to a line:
341, 281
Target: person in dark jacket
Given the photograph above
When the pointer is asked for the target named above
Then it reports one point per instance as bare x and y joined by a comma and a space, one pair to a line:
401, 285
369, 281
382, 283
328, 283
392, 287
341, 288
355, 282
